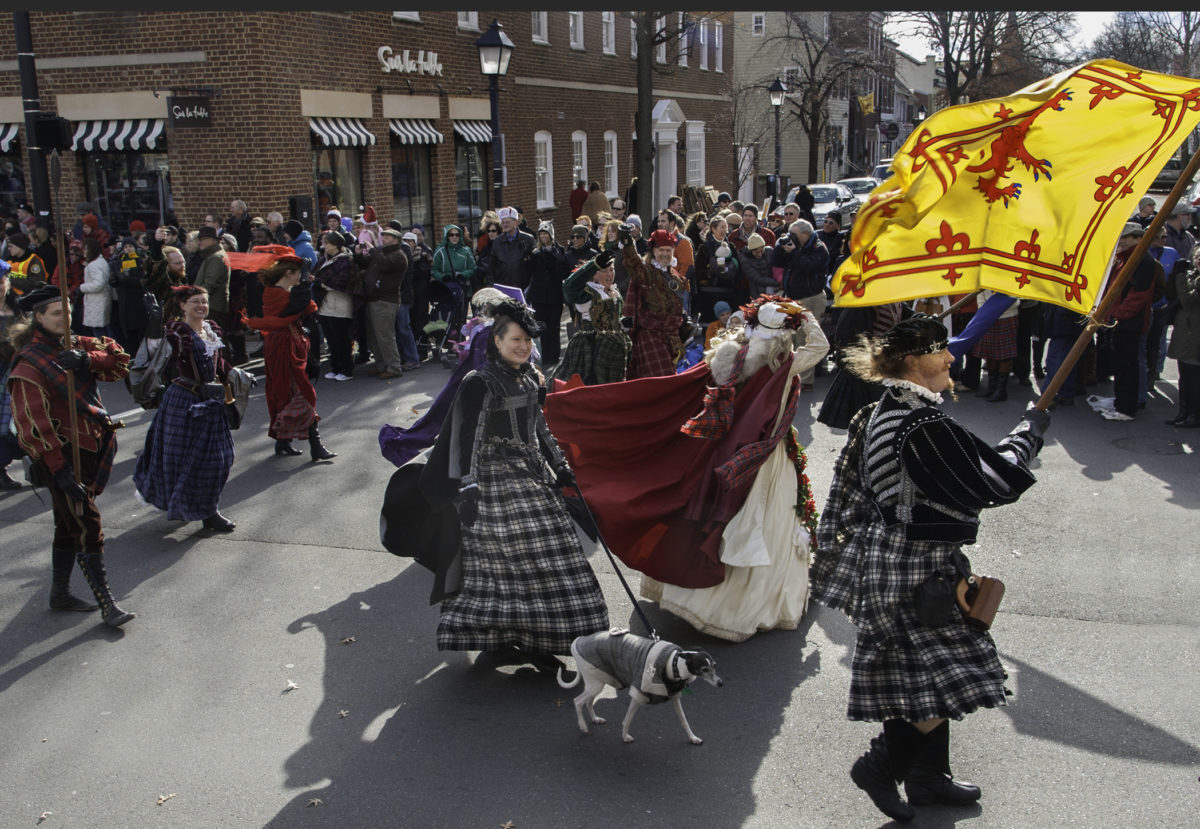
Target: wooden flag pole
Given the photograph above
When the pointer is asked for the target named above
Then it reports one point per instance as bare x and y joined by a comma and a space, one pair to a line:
55, 179
1113, 293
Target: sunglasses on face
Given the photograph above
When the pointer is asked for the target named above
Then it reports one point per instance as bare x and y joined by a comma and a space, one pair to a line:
492, 230
451, 234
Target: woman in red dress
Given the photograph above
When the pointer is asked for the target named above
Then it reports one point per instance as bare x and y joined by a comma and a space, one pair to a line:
291, 398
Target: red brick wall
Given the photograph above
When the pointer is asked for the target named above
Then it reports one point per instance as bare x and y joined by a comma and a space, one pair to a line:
259, 146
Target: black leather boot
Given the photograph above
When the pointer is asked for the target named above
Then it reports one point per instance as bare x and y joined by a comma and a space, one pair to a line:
989, 389
284, 447
63, 562
970, 372
930, 783
999, 388
92, 565
219, 522
315, 447
885, 764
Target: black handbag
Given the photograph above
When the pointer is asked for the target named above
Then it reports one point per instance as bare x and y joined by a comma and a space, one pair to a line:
934, 598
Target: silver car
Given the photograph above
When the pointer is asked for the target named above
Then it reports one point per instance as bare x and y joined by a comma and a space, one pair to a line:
833, 196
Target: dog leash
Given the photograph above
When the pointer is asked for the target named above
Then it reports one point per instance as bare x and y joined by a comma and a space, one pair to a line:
641, 613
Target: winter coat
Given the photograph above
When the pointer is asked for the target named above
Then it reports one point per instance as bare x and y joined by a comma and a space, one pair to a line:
385, 271
339, 276
508, 262
593, 205
97, 295
547, 270
757, 270
450, 259
131, 308
711, 274
302, 244
1185, 337
213, 275
804, 266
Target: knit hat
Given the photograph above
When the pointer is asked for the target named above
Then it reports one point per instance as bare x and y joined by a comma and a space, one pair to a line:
335, 238
333, 211
137, 226
293, 228
635, 219
20, 240
724, 197
662, 239
721, 307
835, 215
547, 226
755, 242
418, 227
580, 230
91, 220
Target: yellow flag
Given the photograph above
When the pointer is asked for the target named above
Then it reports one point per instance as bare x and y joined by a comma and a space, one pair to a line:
866, 103
1025, 195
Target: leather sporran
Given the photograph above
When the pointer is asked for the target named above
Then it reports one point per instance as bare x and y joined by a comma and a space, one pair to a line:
934, 600
978, 597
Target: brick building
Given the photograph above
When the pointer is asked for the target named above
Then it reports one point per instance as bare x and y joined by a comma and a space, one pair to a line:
355, 108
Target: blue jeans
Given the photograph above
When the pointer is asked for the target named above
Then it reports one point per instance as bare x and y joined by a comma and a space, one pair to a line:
1057, 349
404, 336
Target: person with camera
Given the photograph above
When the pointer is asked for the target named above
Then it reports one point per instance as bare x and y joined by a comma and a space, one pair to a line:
805, 262
189, 446
41, 416
906, 496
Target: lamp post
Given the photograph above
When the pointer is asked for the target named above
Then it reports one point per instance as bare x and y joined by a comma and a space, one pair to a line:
777, 90
921, 113
495, 50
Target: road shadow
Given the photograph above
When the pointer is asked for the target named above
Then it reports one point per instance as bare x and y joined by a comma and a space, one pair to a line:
1051, 709
435, 739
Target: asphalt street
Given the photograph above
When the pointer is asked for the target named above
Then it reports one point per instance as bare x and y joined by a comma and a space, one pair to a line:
286, 675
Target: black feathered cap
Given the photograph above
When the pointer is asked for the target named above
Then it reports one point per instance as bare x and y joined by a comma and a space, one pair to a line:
519, 313
919, 334
43, 294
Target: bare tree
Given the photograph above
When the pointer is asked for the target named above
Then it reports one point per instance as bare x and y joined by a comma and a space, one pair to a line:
972, 45
823, 67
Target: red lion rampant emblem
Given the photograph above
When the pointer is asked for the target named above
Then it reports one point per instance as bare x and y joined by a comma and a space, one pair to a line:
1010, 144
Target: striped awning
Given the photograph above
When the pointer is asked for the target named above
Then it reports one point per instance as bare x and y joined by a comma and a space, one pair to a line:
133, 134
415, 131
475, 132
341, 132
8, 134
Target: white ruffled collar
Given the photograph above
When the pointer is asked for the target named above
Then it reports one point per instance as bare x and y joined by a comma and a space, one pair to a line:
917, 389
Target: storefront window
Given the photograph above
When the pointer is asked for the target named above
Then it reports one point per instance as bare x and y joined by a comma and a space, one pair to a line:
470, 180
338, 175
412, 194
128, 186
12, 181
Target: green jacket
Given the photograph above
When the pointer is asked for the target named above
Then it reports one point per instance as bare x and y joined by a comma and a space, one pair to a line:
453, 259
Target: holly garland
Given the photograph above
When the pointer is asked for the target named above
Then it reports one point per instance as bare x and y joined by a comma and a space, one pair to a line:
806, 507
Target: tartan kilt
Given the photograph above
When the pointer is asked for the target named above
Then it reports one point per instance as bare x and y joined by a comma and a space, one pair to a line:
187, 457
923, 672
525, 581
293, 419
596, 356
999, 342
654, 353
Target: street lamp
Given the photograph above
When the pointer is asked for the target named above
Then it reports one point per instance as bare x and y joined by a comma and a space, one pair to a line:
777, 91
495, 50
921, 113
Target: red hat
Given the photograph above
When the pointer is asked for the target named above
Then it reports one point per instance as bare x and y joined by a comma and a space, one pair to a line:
369, 214
261, 257
136, 226
91, 220
663, 239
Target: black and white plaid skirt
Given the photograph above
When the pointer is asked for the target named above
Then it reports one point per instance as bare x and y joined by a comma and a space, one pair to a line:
526, 581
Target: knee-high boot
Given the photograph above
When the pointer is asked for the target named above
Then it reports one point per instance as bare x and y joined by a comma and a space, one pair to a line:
989, 389
63, 562
972, 366
999, 386
930, 783
92, 565
886, 763
315, 447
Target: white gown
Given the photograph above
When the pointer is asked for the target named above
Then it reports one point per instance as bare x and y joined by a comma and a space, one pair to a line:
765, 547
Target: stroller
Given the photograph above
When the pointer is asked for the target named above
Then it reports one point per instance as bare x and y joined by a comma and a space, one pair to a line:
448, 313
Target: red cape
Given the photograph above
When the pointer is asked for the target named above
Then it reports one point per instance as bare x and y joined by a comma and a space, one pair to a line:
652, 488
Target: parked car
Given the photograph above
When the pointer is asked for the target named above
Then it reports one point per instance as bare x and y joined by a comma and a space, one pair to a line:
861, 186
1170, 174
828, 197
883, 169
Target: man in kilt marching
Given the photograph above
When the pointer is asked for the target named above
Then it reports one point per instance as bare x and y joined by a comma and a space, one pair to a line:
41, 413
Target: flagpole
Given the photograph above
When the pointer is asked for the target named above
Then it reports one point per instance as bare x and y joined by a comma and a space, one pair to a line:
1113, 293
